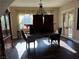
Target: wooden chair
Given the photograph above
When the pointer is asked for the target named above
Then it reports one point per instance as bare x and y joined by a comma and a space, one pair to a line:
56, 36
28, 39
59, 31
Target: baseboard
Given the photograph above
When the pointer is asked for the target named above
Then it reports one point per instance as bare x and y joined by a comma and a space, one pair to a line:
77, 41
64, 37
74, 40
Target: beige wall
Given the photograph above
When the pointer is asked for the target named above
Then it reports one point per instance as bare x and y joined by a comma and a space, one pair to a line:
71, 6
30, 10
76, 36
64, 9
14, 23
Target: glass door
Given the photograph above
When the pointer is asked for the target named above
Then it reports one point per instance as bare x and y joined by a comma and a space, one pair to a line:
65, 25
68, 24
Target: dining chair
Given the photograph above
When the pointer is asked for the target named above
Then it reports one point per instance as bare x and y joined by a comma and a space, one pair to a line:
28, 39
59, 31
56, 36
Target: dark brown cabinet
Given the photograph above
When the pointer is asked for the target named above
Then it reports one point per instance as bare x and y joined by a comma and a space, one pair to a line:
42, 24
37, 23
48, 23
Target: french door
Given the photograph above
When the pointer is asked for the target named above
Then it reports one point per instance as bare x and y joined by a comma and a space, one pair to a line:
68, 19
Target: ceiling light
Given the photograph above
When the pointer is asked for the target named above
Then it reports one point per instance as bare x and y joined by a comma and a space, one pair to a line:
41, 10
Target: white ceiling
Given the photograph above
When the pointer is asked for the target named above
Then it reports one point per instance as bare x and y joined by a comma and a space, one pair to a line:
4, 5
35, 3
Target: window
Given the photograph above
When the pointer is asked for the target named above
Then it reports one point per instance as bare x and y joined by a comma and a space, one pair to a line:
25, 20
3, 22
5, 25
7, 22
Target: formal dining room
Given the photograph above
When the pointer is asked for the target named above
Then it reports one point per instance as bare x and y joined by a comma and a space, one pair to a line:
39, 29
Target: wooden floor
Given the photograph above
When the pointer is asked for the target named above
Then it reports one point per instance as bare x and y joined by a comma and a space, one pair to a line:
43, 50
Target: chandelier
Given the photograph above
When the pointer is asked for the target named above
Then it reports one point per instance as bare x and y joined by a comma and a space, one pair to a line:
41, 10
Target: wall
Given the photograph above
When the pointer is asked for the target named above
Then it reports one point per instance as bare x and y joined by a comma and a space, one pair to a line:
71, 6
64, 9
76, 36
30, 10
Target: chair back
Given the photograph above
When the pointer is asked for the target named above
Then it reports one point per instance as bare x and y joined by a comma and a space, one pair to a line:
60, 31
23, 35
55, 36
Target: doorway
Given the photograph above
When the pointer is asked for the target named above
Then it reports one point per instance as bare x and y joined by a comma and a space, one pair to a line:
68, 24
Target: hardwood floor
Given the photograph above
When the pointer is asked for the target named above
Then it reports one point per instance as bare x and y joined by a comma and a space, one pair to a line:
43, 50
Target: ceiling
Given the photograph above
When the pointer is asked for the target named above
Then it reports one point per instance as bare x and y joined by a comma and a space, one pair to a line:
35, 3
4, 5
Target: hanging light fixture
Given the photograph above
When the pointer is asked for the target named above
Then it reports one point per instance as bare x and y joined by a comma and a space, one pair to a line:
41, 10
